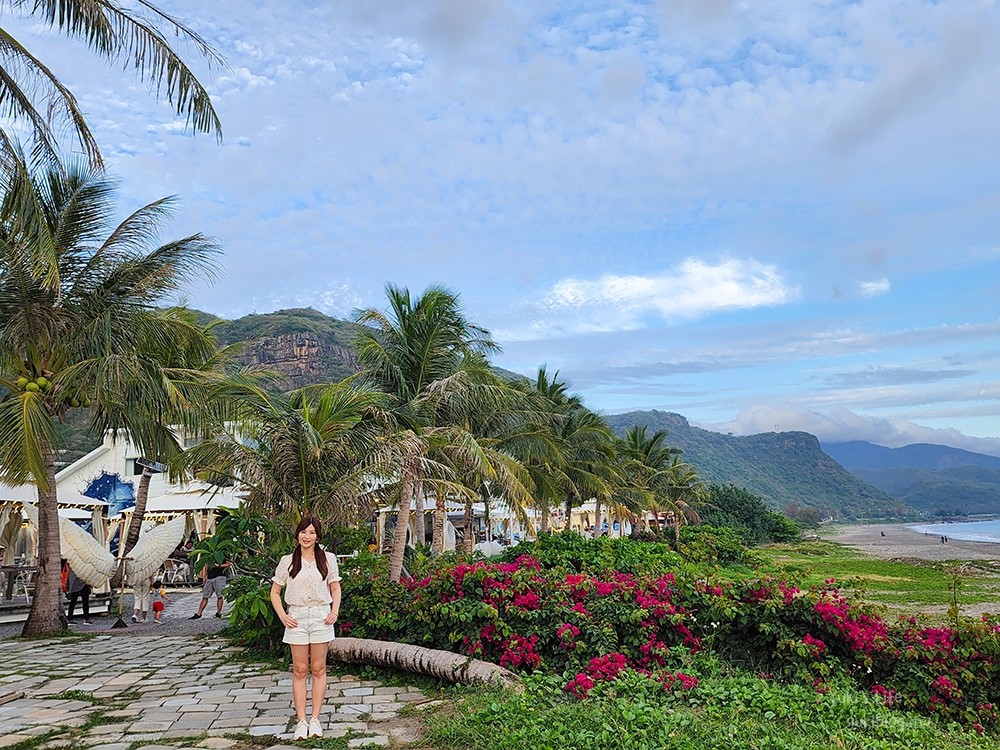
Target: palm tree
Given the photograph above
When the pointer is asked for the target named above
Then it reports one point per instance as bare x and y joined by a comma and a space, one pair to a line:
414, 351
649, 459
487, 422
178, 395
685, 491
314, 451
589, 458
135, 36
673, 486
77, 322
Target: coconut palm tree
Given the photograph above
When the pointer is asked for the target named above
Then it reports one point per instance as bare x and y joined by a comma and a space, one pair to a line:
78, 322
683, 492
134, 35
414, 352
589, 459
178, 395
672, 485
488, 425
316, 450
649, 459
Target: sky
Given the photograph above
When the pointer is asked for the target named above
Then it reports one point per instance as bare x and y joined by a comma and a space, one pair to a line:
760, 215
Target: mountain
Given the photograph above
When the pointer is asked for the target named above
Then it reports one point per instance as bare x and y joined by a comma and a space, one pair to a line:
934, 479
859, 454
302, 345
781, 467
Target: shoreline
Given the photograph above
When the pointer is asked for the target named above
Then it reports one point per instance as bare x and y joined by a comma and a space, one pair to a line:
901, 541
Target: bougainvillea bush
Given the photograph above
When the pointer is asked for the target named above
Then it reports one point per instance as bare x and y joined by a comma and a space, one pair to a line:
597, 628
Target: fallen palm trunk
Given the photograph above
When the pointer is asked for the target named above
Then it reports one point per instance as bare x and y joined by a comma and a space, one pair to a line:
444, 665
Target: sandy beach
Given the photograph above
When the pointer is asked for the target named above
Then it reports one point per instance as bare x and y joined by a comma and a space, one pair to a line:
899, 541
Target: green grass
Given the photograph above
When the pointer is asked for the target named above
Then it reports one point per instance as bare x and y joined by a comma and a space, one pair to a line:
899, 585
725, 712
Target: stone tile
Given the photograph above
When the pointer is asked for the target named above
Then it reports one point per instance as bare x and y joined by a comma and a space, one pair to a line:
378, 740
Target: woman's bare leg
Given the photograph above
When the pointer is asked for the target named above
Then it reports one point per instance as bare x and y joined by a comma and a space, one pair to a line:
317, 658
300, 670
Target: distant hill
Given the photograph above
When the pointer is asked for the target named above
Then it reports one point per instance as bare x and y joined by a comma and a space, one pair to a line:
962, 491
780, 467
859, 454
933, 479
301, 344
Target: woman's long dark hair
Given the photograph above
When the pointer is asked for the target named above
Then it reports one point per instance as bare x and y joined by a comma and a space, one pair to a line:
296, 566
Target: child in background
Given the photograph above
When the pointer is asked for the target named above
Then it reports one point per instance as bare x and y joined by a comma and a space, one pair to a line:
159, 595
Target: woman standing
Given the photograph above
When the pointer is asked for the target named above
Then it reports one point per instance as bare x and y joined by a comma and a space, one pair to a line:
77, 588
311, 581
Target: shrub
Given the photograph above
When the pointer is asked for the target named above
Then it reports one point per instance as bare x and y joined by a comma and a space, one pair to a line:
563, 619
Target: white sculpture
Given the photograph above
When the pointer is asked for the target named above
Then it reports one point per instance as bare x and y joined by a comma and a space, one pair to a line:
94, 564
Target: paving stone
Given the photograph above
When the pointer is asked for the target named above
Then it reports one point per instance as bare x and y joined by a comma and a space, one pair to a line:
177, 689
359, 691
260, 731
378, 740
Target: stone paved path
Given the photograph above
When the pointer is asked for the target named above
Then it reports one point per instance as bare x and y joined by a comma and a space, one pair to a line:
86, 693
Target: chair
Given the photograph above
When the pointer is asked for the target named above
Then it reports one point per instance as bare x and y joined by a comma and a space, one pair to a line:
25, 580
174, 571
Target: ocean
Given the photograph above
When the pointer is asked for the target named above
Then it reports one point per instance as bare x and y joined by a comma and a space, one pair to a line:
967, 531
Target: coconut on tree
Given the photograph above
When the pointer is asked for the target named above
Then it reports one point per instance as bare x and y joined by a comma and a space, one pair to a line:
79, 319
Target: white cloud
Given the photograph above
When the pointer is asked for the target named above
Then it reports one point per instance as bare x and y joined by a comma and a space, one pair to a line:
874, 288
693, 289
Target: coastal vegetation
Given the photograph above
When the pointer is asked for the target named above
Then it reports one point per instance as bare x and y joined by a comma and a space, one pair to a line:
621, 641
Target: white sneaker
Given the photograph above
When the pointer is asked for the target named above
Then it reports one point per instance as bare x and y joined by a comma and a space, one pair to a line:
315, 728
301, 730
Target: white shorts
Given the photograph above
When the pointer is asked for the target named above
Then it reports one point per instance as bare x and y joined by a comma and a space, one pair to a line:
311, 626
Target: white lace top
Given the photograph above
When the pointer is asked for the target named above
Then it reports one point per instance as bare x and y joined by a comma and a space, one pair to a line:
307, 588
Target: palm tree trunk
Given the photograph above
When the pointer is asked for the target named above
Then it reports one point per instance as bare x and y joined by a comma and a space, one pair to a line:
135, 525
543, 527
46, 616
419, 522
469, 540
139, 512
442, 665
597, 519
677, 530
440, 519
656, 521
489, 521
402, 522
569, 513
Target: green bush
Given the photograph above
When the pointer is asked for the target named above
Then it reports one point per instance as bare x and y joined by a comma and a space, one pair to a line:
602, 555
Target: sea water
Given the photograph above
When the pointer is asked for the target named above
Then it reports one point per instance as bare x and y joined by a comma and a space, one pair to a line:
967, 531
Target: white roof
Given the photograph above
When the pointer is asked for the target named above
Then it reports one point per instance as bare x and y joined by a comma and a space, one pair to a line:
178, 500
27, 493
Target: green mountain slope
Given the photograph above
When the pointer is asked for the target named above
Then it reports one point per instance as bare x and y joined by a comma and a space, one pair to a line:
965, 490
783, 468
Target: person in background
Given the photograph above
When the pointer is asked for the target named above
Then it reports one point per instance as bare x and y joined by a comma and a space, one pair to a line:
77, 588
140, 599
159, 596
214, 579
311, 580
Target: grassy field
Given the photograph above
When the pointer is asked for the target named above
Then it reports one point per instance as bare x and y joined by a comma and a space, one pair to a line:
901, 586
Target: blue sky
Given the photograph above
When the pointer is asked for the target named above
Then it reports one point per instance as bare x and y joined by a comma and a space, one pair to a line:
758, 215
